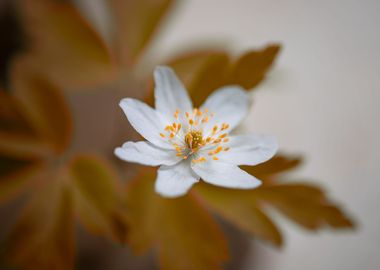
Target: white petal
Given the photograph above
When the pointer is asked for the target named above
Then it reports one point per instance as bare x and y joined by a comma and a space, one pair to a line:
249, 149
175, 181
230, 105
225, 175
145, 120
170, 94
146, 153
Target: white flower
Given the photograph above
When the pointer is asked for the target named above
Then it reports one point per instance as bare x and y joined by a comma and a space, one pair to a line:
190, 143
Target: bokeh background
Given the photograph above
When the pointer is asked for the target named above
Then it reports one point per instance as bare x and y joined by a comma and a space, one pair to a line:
321, 100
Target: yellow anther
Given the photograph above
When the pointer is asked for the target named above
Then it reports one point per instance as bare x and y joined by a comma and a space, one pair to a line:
172, 135
174, 125
191, 121
208, 139
168, 128
218, 149
179, 154
162, 135
215, 158
179, 126
226, 149
226, 140
210, 153
205, 119
217, 141
206, 110
225, 126
187, 114
223, 135
199, 113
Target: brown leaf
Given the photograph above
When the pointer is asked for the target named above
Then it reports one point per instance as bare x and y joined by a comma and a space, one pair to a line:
64, 45
280, 163
15, 176
137, 22
43, 238
251, 68
240, 208
97, 197
42, 105
305, 204
202, 72
183, 232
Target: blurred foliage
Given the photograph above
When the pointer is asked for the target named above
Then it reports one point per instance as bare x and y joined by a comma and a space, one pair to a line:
61, 185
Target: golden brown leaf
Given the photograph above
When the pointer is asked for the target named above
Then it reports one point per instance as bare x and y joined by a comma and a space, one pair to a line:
43, 238
15, 176
280, 163
184, 233
17, 137
240, 208
64, 45
305, 204
42, 105
137, 22
204, 71
97, 197
251, 68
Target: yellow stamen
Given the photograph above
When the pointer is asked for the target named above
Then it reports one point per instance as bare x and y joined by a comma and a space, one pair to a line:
226, 140
215, 158
162, 135
226, 149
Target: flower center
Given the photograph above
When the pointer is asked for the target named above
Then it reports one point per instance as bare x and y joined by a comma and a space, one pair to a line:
187, 138
194, 140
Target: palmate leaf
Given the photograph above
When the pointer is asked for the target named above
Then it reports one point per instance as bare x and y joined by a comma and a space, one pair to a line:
58, 186
183, 233
176, 228
204, 71
86, 187
64, 45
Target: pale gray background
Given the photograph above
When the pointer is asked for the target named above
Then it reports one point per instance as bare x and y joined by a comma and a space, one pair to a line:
321, 100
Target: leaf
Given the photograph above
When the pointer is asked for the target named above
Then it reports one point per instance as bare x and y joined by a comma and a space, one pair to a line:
43, 106
240, 207
209, 71
43, 237
250, 69
280, 163
305, 204
64, 46
182, 231
137, 22
17, 137
204, 71
15, 176
97, 197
